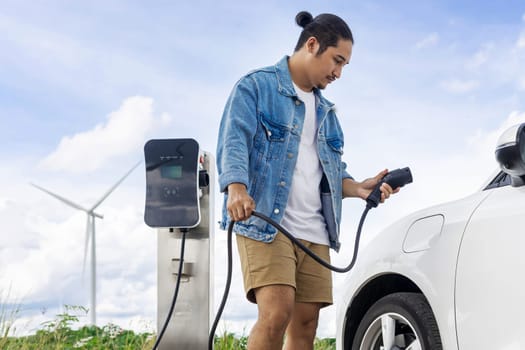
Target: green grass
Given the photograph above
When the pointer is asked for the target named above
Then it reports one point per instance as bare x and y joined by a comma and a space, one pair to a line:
228, 341
60, 334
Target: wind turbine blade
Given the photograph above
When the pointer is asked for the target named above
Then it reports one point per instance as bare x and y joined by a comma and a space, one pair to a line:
114, 186
86, 241
98, 215
66, 201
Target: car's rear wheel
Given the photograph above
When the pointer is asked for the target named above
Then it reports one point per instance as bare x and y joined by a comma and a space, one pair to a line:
398, 321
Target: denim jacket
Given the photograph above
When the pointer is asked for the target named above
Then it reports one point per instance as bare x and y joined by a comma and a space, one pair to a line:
258, 144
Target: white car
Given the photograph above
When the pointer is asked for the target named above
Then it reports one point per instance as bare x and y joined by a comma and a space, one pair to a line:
448, 277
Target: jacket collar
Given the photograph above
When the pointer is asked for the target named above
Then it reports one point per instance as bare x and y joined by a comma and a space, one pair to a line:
285, 85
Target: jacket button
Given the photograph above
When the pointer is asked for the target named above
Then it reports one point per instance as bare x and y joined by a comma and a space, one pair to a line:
290, 155
282, 183
269, 133
276, 211
297, 102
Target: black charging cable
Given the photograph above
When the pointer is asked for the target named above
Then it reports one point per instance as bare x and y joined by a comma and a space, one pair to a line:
177, 285
396, 178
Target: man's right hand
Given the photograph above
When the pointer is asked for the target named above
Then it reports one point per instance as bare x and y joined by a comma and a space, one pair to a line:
240, 205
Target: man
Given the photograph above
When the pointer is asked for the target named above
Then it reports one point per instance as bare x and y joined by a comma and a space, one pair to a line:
279, 141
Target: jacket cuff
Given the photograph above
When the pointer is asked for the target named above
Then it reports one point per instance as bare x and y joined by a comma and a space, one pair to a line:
230, 177
346, 175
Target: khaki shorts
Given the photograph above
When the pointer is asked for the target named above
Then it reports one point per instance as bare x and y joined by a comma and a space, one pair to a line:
282, 262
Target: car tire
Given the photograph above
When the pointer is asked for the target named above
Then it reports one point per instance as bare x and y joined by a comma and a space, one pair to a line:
403, 320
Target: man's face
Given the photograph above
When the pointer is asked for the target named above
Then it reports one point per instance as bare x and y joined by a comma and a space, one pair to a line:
326, 67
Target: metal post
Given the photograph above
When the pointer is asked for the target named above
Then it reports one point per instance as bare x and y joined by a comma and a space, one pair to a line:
191, 319
93, 297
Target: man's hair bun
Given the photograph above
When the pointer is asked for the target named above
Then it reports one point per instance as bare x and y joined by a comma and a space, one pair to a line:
327, 28
304, 18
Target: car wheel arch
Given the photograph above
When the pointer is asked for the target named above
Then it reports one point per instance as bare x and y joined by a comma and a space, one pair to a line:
372, 291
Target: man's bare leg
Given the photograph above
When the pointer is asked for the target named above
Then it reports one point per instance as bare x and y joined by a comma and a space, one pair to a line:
300, 334
275, 304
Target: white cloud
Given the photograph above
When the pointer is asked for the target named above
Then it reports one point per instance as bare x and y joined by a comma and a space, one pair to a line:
520, 43
457, 86
3, 203
124, 131
480, 57
41, 257
466, 170
484, 143
429, 41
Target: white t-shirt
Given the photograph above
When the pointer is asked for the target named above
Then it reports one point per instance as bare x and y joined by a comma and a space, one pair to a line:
303, 216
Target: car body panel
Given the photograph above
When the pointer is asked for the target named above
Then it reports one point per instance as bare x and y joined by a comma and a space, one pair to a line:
491, 274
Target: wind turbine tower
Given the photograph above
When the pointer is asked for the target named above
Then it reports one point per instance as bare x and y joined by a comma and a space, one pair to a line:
90, 237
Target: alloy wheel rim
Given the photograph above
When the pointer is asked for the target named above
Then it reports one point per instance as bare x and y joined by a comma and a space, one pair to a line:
390, 331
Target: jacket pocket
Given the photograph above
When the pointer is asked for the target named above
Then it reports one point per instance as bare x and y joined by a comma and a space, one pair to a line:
274, 140
336, 145
335, 150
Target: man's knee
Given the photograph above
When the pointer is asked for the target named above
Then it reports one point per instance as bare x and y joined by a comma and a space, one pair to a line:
274, 322
305, 320
309, 327
276, 305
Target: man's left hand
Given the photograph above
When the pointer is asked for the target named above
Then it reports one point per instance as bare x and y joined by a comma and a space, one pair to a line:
367, 186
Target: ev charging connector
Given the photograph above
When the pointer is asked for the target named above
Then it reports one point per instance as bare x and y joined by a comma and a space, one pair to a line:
179, 203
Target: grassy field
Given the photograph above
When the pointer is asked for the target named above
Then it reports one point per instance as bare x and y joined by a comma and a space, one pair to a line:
63, 333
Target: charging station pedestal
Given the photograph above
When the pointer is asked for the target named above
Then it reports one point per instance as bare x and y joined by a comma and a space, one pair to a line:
190, 323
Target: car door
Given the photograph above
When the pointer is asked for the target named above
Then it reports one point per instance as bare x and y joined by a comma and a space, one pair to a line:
490, 275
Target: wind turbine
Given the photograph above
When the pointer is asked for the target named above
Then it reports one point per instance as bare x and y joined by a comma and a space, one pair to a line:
90, 233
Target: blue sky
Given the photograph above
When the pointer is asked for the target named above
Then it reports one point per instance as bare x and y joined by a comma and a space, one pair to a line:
430, 85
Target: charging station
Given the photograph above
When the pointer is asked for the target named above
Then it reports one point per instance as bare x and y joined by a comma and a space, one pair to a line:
179, 203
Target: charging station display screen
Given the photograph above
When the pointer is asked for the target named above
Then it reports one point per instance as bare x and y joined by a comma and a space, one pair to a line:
171, 171
172, 183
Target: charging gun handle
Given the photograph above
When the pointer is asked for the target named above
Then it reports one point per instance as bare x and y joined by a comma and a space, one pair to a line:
395, 178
